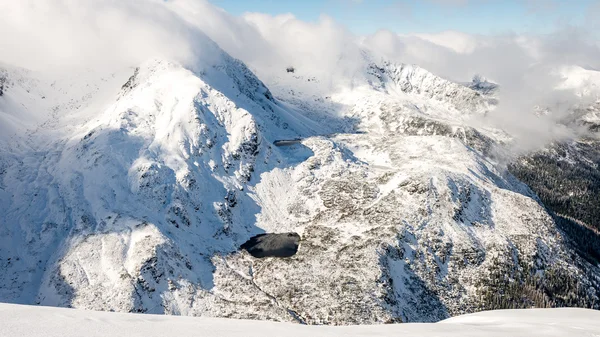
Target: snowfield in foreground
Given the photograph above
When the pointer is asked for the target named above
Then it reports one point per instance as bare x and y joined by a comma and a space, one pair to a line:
25, 321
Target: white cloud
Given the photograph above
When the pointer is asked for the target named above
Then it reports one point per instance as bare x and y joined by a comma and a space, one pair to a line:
41, 34
461, 43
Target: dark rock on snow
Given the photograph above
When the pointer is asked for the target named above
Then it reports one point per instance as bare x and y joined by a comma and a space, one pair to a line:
272, 245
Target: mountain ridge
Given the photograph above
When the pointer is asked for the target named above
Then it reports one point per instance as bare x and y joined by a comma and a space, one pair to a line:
139, 202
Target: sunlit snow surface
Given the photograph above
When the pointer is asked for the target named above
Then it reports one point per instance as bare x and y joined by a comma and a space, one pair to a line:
33, 321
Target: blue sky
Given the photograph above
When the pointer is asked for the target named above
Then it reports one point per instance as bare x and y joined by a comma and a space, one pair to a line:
430, 16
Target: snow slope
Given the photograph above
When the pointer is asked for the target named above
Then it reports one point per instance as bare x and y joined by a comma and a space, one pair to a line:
29, 321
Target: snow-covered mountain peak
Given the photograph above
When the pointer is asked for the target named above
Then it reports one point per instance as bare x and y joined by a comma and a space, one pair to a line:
374, 84
135, 189
410, 79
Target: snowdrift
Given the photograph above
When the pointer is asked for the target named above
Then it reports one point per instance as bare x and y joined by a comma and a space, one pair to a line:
33, 321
